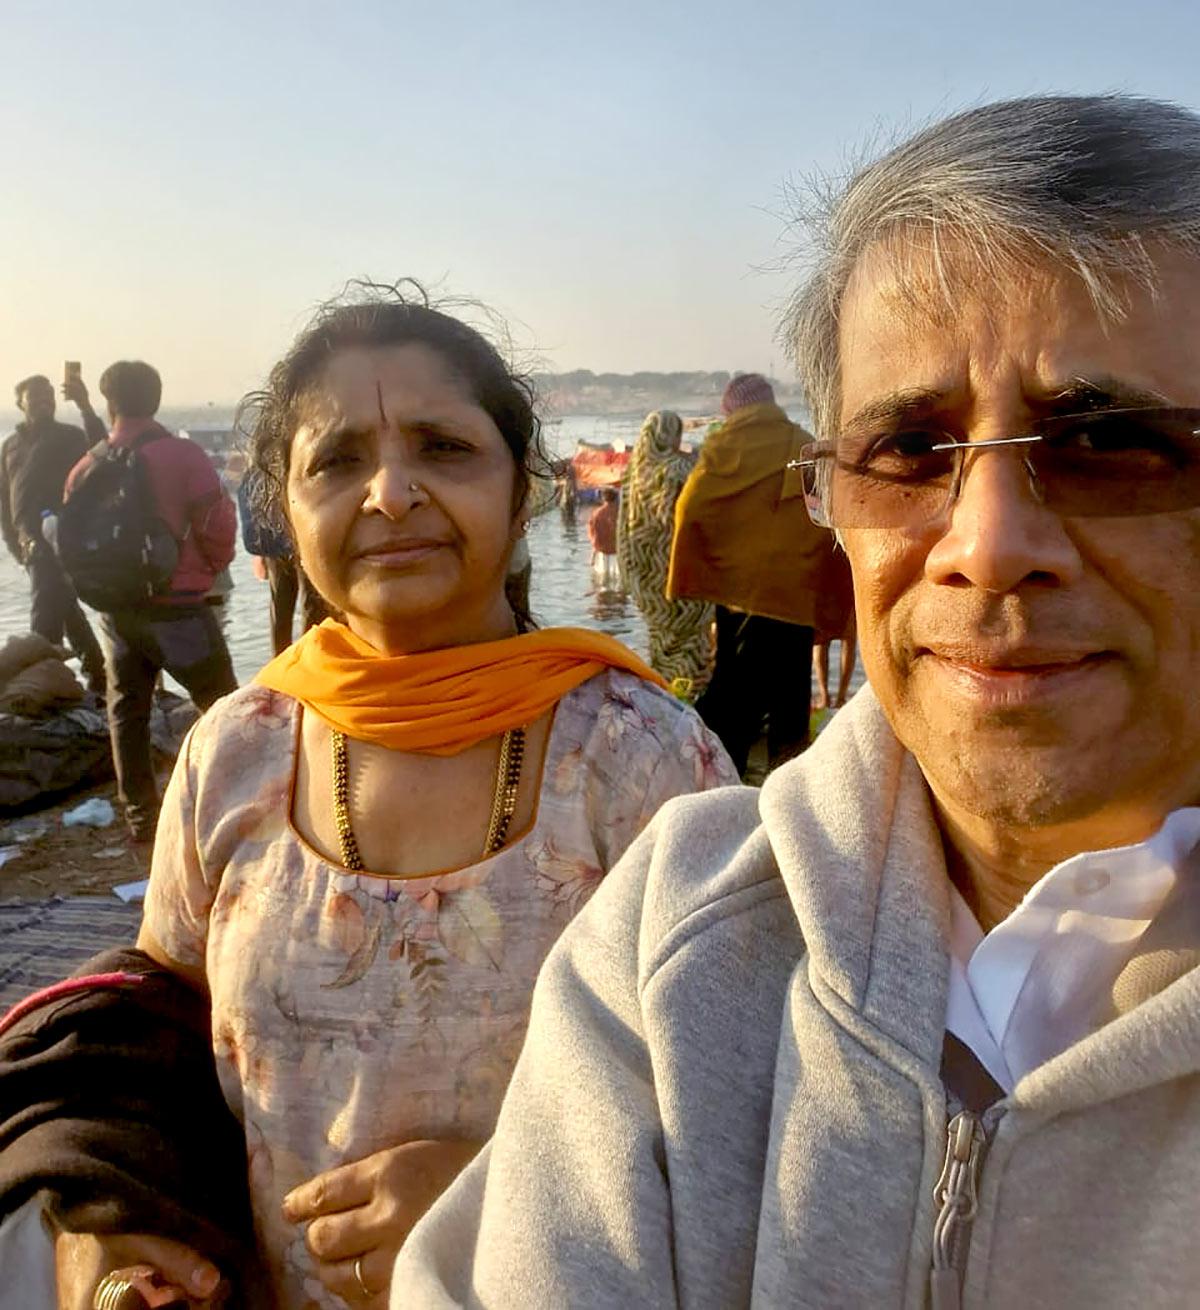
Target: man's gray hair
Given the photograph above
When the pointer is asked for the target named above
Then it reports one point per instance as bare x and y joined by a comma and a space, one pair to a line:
1087, 181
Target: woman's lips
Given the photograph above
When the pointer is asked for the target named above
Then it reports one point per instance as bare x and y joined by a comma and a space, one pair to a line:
398, 553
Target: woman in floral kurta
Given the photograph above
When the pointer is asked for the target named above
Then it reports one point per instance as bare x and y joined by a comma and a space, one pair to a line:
367, 1016
354, 1011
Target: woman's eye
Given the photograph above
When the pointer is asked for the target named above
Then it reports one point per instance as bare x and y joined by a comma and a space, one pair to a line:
448, 446
328, 463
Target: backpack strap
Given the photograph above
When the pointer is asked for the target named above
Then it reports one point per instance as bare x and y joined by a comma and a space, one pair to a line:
156, 433
106, 450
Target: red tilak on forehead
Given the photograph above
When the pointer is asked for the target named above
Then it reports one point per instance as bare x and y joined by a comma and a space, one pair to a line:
382, 412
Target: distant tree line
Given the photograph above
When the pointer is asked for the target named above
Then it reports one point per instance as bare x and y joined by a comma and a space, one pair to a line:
583, 392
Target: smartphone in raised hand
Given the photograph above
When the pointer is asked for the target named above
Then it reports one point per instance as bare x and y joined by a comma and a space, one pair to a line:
72, 384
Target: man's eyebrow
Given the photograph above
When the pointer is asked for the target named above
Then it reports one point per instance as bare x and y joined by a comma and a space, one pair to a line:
1083, 394
897, 405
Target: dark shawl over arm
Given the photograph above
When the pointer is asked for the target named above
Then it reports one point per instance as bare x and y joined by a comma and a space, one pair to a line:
110, 1107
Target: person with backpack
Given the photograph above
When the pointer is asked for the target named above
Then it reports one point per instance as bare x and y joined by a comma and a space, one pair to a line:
145, 528
34, 463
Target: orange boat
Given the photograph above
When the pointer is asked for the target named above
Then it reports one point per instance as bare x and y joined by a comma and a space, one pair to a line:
598, 466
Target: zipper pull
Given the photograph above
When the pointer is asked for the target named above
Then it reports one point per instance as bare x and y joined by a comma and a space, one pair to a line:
957, 1198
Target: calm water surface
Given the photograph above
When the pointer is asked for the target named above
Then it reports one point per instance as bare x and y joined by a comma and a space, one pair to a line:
562, 592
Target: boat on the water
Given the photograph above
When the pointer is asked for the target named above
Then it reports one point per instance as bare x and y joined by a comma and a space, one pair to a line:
600, 464
596, 466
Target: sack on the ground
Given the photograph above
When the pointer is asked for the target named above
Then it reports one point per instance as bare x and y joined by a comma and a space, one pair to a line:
41, 759
23, 650
42, 688
114, 547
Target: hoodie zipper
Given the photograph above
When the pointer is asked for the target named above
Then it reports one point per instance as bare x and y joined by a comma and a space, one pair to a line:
957, 1198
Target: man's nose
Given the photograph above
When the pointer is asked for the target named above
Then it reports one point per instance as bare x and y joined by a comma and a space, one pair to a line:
1000, 535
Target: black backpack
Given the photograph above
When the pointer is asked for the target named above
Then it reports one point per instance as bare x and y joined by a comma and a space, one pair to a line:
113, 545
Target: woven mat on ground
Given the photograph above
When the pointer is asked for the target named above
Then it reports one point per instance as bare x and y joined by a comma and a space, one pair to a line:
43, 941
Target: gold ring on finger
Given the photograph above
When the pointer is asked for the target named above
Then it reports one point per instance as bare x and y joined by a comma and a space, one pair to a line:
358, 1278
117, 1292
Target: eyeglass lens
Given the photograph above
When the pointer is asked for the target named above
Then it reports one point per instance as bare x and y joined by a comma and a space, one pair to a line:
1107, 464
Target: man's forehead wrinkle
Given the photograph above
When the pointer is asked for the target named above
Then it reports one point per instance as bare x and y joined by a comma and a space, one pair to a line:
925, 280
911, 300
922, 276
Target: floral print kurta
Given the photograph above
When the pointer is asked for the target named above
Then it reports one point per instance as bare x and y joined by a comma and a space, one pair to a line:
353, 1012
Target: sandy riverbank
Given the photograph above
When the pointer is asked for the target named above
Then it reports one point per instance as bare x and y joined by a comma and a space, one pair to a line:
56, 860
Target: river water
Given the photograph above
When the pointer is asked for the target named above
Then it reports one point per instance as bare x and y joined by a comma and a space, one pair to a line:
562, 590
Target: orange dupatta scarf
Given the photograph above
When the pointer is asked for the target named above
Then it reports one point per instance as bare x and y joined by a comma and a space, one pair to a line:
440, 702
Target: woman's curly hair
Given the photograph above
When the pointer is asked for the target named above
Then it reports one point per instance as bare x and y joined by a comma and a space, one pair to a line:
373, 314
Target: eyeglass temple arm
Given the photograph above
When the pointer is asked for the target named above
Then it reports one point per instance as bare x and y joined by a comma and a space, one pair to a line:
1030, 440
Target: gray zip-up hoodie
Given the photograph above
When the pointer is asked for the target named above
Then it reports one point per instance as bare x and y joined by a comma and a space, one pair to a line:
730, 1091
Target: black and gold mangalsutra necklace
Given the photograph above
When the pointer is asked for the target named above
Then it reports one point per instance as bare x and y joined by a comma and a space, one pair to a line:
504, 798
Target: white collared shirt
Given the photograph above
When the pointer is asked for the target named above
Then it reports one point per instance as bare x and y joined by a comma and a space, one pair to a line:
1034, 985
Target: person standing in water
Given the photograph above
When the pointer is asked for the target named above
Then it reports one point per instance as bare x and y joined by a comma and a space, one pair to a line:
602, 533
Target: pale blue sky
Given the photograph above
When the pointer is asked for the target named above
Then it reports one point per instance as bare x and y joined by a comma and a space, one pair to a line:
185, 181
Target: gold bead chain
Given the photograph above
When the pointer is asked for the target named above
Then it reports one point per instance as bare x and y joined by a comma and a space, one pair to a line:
504, 799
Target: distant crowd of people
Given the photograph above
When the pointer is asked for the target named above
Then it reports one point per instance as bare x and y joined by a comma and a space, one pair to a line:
470, 975
729, 543
137, 521
733, 580
141, 528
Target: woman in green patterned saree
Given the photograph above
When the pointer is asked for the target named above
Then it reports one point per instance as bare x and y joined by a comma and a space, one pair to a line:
680, 642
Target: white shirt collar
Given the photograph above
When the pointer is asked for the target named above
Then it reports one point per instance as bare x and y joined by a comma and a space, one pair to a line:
1040, 980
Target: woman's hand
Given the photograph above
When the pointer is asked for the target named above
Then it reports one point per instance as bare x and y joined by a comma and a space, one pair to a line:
82, 1259
360, 1214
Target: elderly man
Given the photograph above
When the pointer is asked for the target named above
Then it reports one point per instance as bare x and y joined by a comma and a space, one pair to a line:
920, 1023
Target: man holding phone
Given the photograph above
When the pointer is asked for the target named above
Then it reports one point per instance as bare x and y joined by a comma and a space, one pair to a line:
34, 463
